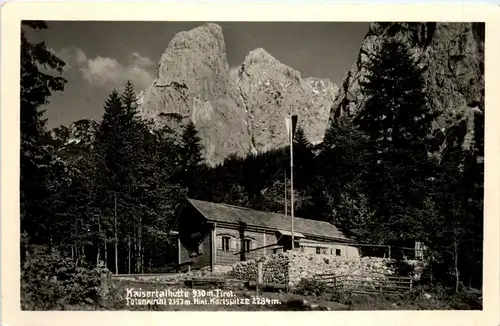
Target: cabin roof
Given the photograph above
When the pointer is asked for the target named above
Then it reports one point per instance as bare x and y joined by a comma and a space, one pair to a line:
219, 212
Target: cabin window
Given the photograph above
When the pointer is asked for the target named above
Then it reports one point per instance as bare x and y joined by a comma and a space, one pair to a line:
338, 252
225, 243
318, 250
247, 245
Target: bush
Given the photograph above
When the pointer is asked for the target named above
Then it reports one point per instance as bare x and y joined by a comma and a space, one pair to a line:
310, 286
445, 298
467, 300
52, 282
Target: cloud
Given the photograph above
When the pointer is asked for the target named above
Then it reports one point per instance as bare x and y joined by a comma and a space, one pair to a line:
141, 61
108, 72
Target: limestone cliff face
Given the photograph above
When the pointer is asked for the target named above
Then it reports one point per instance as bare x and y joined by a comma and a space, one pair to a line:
236, 111
272, 90
453, 54
193, 82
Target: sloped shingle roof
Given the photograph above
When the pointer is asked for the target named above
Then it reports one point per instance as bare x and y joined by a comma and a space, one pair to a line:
233, 214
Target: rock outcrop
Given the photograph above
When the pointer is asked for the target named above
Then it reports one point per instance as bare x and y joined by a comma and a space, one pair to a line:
241, 110
81, 132
67, 144
193, 82
271, 91
453, 55
236, 111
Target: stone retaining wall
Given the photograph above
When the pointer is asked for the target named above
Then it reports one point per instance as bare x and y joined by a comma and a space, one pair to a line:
294, 266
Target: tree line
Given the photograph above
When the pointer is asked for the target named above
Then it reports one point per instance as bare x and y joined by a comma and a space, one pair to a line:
384, 176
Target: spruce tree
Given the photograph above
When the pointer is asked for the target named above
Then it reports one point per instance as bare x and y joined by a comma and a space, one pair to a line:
397, 119
129, 100
190, 157
36, 87
300, 139
110, 142
191, 147
459, 199
396, 112
303, 159
124, 161
340, 169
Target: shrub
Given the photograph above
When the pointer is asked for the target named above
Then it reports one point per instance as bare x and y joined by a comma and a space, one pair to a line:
310, 286
52, 282
466, 300
445, 298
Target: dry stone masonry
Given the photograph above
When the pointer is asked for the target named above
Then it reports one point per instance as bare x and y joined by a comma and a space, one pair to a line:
294, 266
275, 269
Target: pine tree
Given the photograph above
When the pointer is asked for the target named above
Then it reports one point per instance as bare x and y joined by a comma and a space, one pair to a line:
303, 159
36, 87
129, 100
451, 199
123, 163
396, 112
340, 169
459, 199
191, 147
190, 158
110, 142
397, 119
300, 139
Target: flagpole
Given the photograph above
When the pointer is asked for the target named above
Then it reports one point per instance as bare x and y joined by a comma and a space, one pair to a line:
291, 122
291, 178
286, 204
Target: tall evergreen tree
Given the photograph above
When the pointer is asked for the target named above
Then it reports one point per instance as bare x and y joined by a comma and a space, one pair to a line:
110, 142
303, 159
37, 85
191, 147
397, 119
190, 157
459, 200
123, 163
129, 100
341, 167
397, 111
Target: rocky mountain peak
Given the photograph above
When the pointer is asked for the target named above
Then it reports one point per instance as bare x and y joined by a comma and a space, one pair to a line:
70, 142
200, 52
453, 55
239, 110
82, 132
259, 56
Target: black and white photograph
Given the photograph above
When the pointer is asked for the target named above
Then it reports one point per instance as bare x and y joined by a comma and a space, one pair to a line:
251, 166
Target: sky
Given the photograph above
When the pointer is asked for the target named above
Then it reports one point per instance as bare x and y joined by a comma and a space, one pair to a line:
102, 56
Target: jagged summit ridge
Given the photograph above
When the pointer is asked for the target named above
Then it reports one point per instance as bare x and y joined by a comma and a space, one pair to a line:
193, 82
239, 110
453, 55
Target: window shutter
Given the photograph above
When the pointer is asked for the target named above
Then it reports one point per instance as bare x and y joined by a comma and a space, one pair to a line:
219, 242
